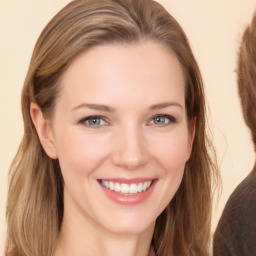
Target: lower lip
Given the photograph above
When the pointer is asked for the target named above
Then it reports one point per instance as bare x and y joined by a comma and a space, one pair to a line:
129, 199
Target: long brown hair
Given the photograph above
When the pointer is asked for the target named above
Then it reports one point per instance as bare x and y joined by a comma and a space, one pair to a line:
35, 199
246, 77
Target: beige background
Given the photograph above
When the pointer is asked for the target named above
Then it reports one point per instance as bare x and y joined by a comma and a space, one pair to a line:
214, 28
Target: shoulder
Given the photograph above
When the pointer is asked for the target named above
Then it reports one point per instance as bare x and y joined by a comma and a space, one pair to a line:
236, 229
244, 195
242, 202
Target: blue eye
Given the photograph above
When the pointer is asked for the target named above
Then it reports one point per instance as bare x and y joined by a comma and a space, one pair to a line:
162, 120
93, 121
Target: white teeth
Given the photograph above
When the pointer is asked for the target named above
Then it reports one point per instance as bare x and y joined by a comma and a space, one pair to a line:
145, 185
111, 185
133, 189
107, 184
140, 187
117, 187
126, 188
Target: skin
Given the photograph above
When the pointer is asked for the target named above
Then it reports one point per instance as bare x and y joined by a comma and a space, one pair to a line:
135, 83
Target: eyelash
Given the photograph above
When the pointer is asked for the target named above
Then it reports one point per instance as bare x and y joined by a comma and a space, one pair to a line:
171, 120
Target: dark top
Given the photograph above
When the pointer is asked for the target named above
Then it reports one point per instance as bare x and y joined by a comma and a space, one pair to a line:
236, 231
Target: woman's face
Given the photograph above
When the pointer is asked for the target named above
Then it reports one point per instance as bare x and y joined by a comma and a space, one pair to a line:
121, 135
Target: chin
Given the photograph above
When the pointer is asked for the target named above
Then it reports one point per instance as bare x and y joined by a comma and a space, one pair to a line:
130, 224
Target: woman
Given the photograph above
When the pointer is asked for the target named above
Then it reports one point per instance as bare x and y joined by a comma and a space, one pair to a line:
114, 158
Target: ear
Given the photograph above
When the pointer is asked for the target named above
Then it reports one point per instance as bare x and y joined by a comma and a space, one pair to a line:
44, 130
191, 136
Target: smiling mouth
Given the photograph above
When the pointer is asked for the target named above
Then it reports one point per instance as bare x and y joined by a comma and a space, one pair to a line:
126, 189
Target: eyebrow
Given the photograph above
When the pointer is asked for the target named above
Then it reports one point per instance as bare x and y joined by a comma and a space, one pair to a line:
165, 105
94, 107
100, 107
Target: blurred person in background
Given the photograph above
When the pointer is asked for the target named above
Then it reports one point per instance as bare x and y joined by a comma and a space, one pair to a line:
236, 231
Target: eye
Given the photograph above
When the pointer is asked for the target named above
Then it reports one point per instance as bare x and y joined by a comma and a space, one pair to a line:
162, 120
93, 121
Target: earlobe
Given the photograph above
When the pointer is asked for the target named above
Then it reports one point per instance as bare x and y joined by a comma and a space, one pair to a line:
44, 130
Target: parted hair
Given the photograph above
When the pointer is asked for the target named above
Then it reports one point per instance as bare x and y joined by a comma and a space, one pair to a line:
246, 75
35, 196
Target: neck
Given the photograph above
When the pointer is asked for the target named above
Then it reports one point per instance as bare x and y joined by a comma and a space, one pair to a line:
81, 236
77, 243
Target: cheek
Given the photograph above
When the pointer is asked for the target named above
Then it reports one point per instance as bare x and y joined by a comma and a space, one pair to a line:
172, 151
79, 153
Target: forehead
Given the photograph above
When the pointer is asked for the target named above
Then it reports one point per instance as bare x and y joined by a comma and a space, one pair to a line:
145, 69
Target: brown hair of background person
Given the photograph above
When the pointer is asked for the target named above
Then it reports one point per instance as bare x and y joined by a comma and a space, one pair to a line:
246, 77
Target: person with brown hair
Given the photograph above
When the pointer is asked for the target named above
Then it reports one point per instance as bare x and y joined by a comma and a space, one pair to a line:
115, 159
236, 231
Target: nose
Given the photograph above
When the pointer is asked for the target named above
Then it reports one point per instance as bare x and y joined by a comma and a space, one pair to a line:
130, 149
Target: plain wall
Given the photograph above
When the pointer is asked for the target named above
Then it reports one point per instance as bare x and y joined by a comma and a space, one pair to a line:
214, 28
